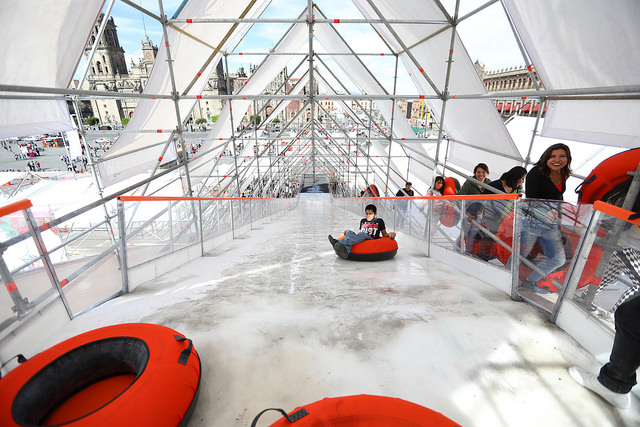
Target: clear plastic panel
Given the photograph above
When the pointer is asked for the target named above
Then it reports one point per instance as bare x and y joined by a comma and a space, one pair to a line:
550, 236
611, 274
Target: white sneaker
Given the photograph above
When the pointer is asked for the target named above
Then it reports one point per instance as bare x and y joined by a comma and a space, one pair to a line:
590, 381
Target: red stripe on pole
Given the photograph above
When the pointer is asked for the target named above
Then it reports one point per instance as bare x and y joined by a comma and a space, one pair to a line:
11, 287
159, 131
421, 96
198, 96
199, 74
160, 158
189, 21
422, 70
64, 282
336, 21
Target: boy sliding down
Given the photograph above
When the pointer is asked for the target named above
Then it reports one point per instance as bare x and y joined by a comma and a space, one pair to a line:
370, 228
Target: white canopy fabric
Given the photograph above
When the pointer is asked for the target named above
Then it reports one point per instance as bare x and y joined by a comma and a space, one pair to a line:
474, 122
40, 47
577, 44
159, 115
573, 44
260, 79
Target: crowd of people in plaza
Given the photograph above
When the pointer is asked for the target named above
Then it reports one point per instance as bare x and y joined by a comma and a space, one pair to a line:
33, 150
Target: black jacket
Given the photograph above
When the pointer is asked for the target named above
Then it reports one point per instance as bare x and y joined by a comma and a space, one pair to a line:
538, 186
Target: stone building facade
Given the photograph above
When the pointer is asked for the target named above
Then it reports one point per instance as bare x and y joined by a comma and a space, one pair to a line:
108, 71
508, 80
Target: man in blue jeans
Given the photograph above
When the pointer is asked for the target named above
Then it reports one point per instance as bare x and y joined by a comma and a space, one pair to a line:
617, 378
370, 228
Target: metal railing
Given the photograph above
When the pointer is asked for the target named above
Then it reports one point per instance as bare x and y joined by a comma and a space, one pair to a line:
444, 222
75, 261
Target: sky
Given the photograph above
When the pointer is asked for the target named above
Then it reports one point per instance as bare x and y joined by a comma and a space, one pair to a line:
496, 49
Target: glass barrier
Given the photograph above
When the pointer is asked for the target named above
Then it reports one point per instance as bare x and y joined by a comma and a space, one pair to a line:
550, 235
81, 260
482, 227
609, 262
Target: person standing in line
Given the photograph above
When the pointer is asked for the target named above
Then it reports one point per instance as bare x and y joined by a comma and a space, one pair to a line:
480, 173
618, 376
406, 191
509, 183
473, 210
402, 204
546, 182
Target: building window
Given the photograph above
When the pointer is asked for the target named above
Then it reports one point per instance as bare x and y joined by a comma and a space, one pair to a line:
99, 66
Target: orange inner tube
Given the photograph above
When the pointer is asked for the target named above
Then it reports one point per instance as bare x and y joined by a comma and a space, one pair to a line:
383, 244
131, 374
367, 411
90, 399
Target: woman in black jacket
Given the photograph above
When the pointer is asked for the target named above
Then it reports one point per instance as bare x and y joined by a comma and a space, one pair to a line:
545, 181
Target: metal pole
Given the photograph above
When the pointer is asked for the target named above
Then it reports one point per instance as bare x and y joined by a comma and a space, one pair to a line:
124, 266
233, 134
92, 166
46, 260
21, 305
445, 93
393, 109
310, 20
176, 100
170, 226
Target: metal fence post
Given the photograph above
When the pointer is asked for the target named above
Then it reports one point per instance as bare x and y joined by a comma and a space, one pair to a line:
515, 248
22, 305
430, 210
201, 227
170, 227
233, 231
124, 267
44, 256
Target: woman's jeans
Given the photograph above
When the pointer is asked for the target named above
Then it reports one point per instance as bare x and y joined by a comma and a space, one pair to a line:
549, 237
619, 375
352, 238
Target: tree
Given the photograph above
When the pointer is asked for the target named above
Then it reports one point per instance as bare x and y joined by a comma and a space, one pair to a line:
214, 118
201, 120
255, 120
125, 121
276, 120
92, 121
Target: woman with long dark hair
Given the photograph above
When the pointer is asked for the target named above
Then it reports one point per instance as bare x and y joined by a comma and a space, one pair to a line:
495, 210
545, 181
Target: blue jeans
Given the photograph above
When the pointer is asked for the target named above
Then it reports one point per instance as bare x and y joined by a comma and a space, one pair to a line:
619, 375
549, 237
352, 238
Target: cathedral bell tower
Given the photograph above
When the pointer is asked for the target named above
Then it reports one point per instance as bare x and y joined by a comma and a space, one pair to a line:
105, 71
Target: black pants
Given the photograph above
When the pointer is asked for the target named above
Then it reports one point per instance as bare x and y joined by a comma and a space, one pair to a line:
619, 375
